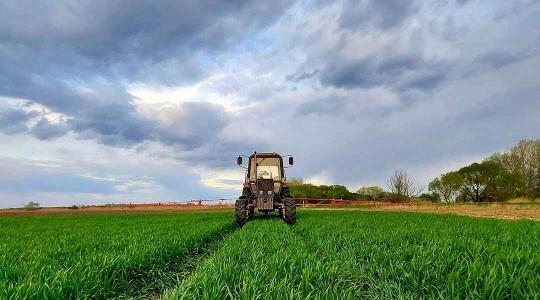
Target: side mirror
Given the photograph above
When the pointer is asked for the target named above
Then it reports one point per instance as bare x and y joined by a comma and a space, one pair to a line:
239, 160
291, 161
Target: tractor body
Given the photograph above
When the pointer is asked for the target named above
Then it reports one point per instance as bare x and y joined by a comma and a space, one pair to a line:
265, 188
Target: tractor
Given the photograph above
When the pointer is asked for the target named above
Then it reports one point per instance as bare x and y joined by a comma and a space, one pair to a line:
265, 188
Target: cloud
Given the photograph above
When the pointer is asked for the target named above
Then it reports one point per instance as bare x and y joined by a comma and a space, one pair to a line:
73, 59
390, 70
14, 120
193, 123
130, 37
46, 130
383, 15
104, 112
149, 101
302, 76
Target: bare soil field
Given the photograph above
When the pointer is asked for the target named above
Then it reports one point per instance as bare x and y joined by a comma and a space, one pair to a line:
106, 210
506, 211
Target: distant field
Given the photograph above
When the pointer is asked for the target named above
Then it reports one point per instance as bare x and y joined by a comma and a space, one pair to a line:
506, 211
328, 254
521, 209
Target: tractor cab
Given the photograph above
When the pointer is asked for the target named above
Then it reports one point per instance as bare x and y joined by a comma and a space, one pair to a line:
265, 168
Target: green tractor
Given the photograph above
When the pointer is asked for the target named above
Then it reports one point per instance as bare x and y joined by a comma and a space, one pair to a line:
265, 188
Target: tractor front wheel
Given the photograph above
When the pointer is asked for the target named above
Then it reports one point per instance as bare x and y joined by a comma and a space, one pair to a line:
241, 211
289, 210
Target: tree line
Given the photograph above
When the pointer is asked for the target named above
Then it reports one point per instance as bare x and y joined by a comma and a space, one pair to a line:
400, 185
514, 173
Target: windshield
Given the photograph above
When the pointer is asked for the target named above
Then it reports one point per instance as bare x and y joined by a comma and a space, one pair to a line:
269, 168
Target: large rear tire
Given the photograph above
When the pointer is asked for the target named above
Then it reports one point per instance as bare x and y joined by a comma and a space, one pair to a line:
251, 213
241, 212
289, 212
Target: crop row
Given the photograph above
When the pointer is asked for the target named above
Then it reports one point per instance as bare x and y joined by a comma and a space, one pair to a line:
98, 256
340, 255
326, 255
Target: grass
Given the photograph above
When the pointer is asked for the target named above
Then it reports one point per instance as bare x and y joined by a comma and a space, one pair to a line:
328, 254
99, 256
264, 260
345, 255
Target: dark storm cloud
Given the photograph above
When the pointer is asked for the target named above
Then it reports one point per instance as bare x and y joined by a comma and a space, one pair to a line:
105, 112
353, 89
453, 99
59, 54
404, 68
120, 32
389, 70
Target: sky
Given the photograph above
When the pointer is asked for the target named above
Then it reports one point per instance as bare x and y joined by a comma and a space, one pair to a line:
151, 101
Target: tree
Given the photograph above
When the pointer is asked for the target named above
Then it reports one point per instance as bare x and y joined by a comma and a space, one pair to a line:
306, 190
32, 205
339, 192
447, 187
295, 181
480, 180
431, 197
473, 182
513, 173
403, 186
523, 159
509, 184
370, 192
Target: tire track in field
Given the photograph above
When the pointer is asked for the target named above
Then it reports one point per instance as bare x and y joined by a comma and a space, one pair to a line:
360, 285
153, 283
243, 261
265, 260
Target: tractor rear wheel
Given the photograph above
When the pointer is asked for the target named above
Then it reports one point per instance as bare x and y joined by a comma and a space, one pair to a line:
251, 213
289, 211
241, 211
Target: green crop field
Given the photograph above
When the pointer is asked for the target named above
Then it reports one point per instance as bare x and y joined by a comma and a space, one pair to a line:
56, 257
326, 255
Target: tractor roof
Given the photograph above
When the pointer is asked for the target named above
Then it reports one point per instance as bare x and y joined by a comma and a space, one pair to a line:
265, 154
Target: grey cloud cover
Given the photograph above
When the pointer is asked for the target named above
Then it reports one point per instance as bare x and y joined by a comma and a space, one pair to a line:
13, 120
354, 89
379, 14
65, 44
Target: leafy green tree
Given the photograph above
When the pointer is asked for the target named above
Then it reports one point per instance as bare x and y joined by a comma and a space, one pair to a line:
523, 159
306, 190
477, 177
509, 185
370, 192
447, 187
